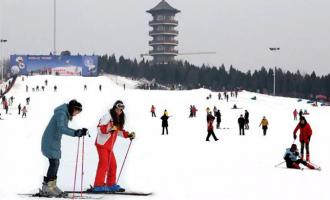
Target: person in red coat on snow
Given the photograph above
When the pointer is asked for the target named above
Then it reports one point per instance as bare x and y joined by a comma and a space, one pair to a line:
295, 113
110, 126
304, 136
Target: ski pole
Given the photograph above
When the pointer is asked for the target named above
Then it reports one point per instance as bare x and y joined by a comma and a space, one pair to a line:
122, 166
279, 164
75, 173
82, 166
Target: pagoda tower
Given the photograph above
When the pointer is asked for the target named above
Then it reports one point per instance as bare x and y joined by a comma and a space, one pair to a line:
163, 33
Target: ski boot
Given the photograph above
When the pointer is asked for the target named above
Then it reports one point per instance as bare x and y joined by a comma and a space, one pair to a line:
99, 189
49, 189
115, 188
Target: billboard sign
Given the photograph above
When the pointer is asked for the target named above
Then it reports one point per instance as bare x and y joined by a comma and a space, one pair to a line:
55, 65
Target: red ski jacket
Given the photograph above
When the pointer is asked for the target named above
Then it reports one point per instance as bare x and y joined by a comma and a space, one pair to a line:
305, 132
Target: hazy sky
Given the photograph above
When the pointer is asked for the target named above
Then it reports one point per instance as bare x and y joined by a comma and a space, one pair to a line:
239, 31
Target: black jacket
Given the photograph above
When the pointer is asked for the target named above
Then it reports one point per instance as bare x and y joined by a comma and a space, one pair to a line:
241, 121
164, 119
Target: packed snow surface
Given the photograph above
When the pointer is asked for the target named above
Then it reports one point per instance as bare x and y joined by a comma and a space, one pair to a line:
181, 165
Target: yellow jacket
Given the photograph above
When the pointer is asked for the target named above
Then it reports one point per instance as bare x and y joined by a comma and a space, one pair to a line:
264, 122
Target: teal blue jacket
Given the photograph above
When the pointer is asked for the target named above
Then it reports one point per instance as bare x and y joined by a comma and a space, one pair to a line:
58, 125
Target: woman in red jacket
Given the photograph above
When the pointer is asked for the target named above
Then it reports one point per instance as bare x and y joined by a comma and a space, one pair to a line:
110, 126
304, 137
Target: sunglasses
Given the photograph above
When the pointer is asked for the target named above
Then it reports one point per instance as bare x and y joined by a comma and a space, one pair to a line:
120, 106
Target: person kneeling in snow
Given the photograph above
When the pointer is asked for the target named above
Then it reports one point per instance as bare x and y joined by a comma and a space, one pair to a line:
110, 126
291, 158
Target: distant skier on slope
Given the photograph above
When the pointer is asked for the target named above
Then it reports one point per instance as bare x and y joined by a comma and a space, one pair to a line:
164, 119
304, 136
264, 124
51, 144
110, 126
152, 110
291, 158
241, 123
218, 116
246, 118
210, 132
295, 113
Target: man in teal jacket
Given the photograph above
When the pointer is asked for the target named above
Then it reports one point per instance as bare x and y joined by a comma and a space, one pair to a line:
51, 144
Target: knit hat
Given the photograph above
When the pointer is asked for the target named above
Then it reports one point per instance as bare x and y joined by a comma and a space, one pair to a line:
74, 105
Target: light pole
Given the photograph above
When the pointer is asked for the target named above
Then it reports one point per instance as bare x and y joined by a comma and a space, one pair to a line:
274, 49
54, 30
3, 63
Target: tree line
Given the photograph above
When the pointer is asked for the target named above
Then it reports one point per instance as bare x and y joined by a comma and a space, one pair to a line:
190, 76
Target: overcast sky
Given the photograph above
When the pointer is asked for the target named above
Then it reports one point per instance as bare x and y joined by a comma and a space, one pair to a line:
239, 31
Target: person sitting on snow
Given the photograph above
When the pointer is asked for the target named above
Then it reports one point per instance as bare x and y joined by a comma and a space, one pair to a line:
291, 158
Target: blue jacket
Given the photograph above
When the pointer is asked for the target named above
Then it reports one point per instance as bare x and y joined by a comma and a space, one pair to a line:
58, 125
290, 156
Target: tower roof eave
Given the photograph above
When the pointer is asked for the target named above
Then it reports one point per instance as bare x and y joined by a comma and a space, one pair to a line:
163, 6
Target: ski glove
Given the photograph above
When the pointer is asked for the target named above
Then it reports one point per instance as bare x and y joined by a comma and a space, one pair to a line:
131, 135
294, 136
113, 128
81, 132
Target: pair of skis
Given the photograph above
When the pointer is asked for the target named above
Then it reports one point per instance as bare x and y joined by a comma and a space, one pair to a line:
87, 194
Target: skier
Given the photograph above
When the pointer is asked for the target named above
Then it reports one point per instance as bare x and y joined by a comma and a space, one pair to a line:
218, 116
241, 123
164, 119
215, 109
291, 158
304, 136
153, 108
19, 109
219, 95
110, 126
100, 87
194, 110
85, 87
51, 144
55, 88
210, 118
5, 105
295, 113
46, 82
24, 111
246, 118
300, 113
264, 124
26, 88
208, 110
27, 100
191, 111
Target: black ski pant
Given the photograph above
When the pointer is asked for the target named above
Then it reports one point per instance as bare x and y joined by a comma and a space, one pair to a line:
218, 124
153, 114
241, 130
52, 169
165, 127
303, 144
264, 128
209, 133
